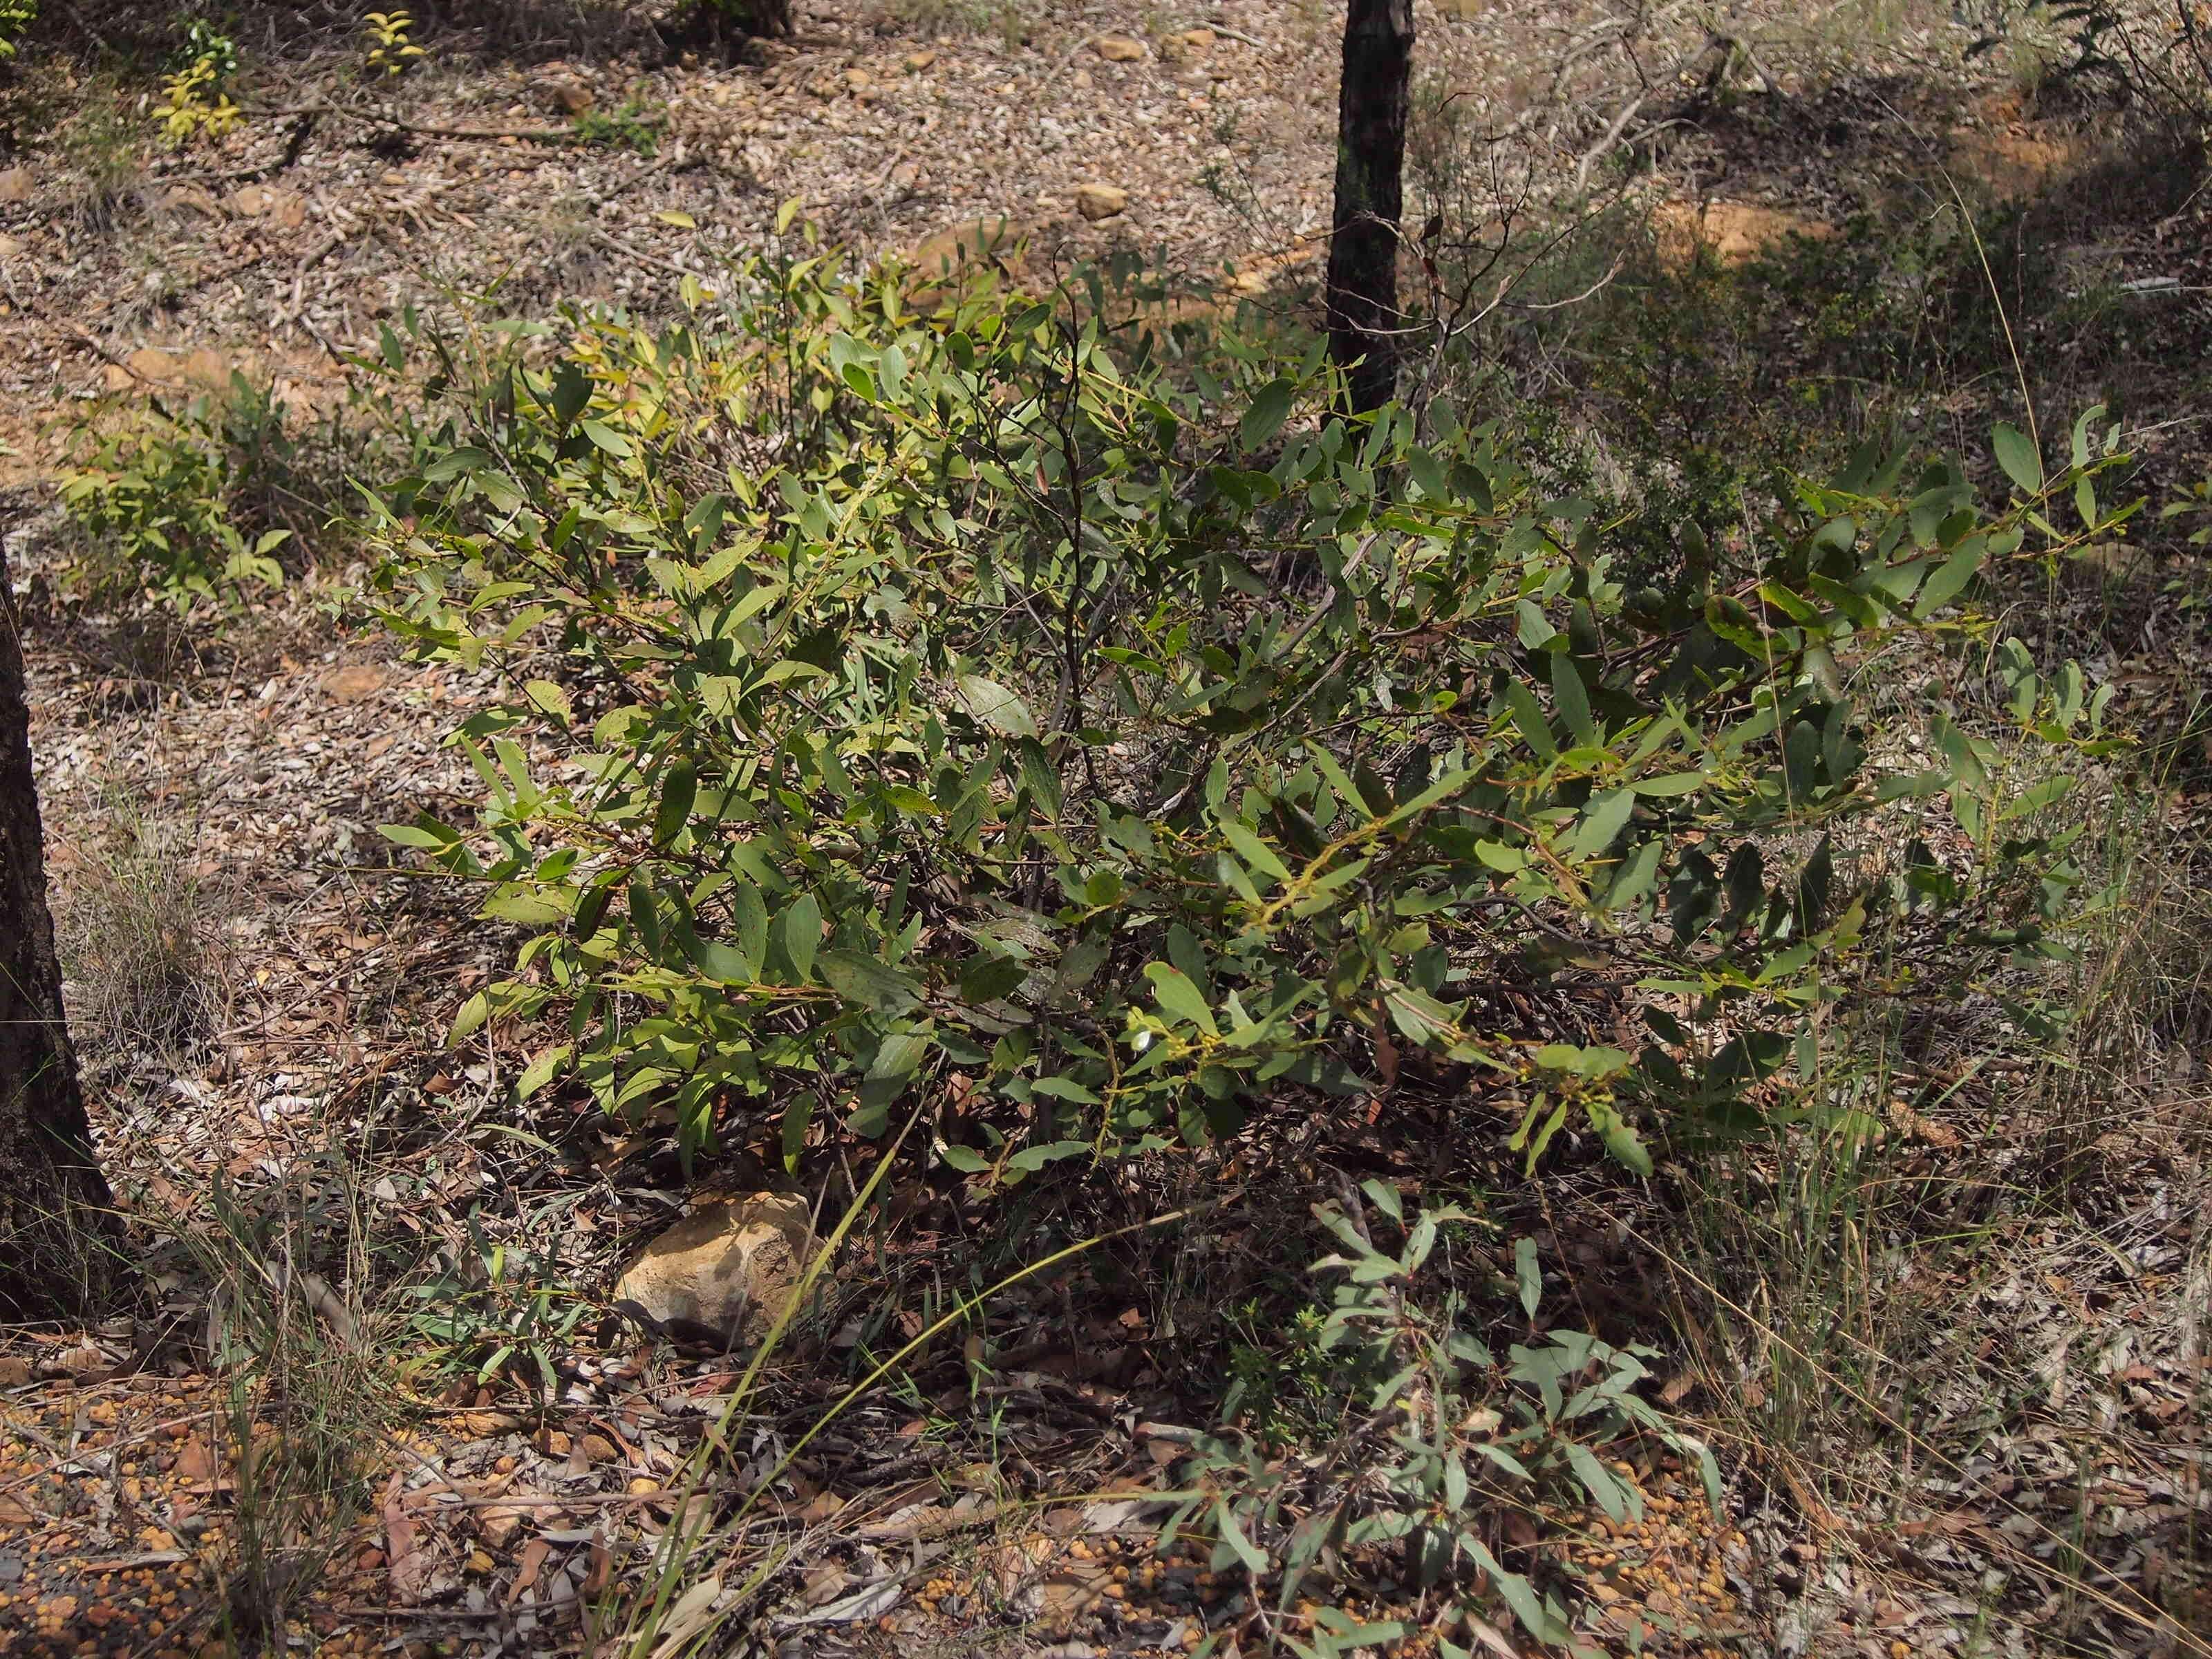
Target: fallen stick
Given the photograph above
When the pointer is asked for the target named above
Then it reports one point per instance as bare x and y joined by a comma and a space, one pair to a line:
930, 1524
1220, 27
529, 135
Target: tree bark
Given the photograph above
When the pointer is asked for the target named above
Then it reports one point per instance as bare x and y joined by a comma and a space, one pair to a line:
57, 1230
1371, 157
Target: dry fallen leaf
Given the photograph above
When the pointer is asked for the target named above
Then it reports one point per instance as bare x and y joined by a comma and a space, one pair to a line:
602, 1566
407, 1560
1073, 1588
198, 1464
533, 1562
693, 1612
870, 1602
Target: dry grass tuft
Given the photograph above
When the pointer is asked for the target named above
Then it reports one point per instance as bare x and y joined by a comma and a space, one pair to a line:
142, 967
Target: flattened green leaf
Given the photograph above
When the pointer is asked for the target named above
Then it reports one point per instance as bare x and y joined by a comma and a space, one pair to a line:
749, 920
605, 437
2017, 456
1528, 718
1950, 578
798, 931
1253, 851
796, 1117
1269, 408
1233, 1535
1573, 701
1179, 998
536, 1075
678, 791
1604, 816
528, 910
1032, 1158
997, 707
1533, 627
868, 983
471, 1015
1529, 1274
988, 979
1507, 860
1597, 1480
1627, 1148
549, 698
911, 801
900, 1055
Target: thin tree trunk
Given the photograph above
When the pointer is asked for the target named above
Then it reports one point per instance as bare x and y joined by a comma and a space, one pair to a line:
1370, 155
56, 1231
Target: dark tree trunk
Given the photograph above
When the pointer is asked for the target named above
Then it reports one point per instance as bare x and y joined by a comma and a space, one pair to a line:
56, 1228
1370, 155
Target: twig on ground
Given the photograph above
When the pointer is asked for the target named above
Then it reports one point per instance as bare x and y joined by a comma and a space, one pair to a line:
932, 1523
1220, 27
373, 117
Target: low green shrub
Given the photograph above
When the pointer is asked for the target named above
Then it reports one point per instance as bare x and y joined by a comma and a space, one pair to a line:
632, 124
191, 499
1417, 1438
1088, 738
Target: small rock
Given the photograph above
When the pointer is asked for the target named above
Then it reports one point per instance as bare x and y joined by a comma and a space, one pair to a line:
1119, 49
730, 1265
15, 184
206, 367
10, 246
1097, 202
858, 80
943, 261
498, 1524
1197, 39
178, 198
598, 1449
356, 682
918, 61
571, 98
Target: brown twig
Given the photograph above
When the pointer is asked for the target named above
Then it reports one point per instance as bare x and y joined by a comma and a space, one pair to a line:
373, 117
932, 1523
